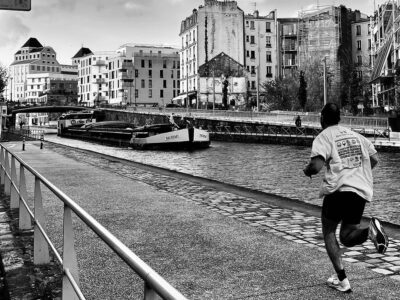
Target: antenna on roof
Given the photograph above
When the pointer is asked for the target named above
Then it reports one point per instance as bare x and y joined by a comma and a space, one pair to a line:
255, 5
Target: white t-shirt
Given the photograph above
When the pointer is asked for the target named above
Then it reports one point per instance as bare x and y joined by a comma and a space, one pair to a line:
347, 159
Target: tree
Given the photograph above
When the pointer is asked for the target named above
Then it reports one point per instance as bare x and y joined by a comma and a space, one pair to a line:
302, 90
314, 76
3, 78
280, 93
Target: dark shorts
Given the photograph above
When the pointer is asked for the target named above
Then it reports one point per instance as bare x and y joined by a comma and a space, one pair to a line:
347, 207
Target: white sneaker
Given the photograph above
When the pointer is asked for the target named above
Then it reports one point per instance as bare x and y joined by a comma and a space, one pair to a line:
378, 235
342, 286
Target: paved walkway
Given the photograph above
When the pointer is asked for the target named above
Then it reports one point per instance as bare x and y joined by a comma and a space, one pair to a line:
291, 241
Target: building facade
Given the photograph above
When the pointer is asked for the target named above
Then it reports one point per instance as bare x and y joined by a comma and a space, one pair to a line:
31, 58
213, 28
287, 46
261, 46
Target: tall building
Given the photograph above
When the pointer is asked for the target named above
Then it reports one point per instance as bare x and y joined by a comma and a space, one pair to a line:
31, 58
155, 73
93, 77
362, 58
131, 75
385, 52
213, 28
287, 46
325, 34
261, 49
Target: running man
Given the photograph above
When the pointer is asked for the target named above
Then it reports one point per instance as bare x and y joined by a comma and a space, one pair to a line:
347, 186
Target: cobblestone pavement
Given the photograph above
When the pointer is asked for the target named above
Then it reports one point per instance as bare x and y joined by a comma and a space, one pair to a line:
287, 223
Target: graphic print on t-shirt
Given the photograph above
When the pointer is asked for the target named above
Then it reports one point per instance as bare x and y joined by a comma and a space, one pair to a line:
349, 150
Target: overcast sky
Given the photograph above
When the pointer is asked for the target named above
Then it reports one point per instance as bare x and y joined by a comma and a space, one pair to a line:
101, 25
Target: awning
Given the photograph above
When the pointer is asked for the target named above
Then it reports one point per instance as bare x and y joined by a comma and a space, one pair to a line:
180, 97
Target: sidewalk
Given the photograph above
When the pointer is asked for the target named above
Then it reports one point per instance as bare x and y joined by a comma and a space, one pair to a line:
208, 243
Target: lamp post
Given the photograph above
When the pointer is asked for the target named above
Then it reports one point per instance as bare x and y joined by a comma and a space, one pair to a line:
325, 84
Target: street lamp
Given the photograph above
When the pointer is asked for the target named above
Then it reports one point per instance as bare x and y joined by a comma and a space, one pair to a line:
325, 84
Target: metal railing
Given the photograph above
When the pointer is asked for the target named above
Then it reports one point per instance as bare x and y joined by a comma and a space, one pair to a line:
310, 119
154, 285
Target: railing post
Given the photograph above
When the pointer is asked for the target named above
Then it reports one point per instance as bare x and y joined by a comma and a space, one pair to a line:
24, 216
40, 246
69, 257
149, 293
7, 182
2, 165
14, 199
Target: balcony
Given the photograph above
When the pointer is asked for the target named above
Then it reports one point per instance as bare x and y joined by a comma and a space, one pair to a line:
99, 80
99, 63
124, 76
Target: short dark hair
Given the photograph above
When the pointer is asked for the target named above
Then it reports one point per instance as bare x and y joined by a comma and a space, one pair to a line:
331, 114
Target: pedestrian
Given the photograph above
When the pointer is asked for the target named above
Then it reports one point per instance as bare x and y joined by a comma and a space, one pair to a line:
298, 121
347, 186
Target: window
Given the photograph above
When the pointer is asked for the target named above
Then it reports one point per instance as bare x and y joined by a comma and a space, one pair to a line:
143, 84
142, 63
359, 60
136, 93
136, 73
161, 93
164, 84
150, 63
150, 73
252, 55
269, 71
268, 27
164, 64
369, 44
251, 24
247, 38
161, 74
150, 83
269, 56
253, 70
358, 45
268, 41
358, 30
253, 85
150, 94
247, 53
252, 39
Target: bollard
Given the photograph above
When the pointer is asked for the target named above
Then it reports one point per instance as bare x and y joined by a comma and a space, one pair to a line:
41, 141
23, 144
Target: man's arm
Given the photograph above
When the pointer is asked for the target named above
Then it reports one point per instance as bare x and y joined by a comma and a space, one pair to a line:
374, 160
315, 165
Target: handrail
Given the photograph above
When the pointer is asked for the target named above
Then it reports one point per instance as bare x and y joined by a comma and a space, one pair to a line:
153, 281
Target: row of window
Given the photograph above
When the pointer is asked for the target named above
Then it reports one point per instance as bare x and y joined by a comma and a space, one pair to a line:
252, 25
252, 70
33, 56
175, 64
252, 40
252, 55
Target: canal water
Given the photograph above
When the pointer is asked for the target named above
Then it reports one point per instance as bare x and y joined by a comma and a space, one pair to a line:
275, 169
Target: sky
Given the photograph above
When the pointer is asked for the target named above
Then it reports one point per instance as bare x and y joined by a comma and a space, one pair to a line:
104, 25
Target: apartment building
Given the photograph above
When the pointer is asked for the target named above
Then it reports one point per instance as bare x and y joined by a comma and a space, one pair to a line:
31, 58
93, 77
214, 28
385, 54
149, 73
287, 46
362, 57
40, 85
261, 49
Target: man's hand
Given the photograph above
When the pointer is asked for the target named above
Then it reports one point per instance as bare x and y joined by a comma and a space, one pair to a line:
315, 165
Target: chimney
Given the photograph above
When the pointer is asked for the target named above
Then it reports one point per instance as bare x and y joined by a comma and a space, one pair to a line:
256, 14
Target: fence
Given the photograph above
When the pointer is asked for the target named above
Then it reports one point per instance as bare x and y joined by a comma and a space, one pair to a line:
310, 119
154, 285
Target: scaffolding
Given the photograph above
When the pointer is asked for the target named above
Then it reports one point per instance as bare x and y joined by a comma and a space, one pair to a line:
385, 55
319, 37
